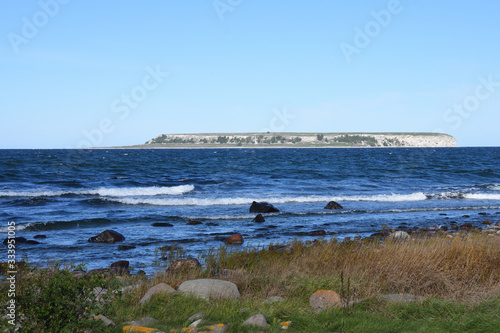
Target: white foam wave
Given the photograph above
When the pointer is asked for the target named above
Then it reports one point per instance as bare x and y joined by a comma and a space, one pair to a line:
273, 200
482, 196
107, 192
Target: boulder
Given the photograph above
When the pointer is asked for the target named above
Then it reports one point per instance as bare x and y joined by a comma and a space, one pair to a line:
107, 236
259, 219
191, 222
210, 289
333, 205
257, 320
399, 235
324, 299
262, 207
159, 288
487, 222
183, 265
162, 224
121, 264
17, 240
234, 240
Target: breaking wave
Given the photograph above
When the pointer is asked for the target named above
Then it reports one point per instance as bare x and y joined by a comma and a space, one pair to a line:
107, 192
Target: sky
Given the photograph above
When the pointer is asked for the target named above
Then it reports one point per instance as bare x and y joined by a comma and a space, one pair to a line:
112, 73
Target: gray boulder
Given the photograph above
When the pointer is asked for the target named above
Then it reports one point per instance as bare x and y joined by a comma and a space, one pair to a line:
258, 320
333, 205
210, 289
159, 288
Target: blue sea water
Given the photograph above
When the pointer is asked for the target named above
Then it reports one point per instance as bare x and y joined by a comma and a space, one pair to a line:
72, 195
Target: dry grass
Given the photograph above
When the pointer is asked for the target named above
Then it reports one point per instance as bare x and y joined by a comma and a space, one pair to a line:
465, 267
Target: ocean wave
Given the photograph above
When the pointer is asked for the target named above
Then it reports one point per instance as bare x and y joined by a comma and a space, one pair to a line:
274, 200
107, 192
482, 196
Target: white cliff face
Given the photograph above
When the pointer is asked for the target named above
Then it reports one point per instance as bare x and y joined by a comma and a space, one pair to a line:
305, 140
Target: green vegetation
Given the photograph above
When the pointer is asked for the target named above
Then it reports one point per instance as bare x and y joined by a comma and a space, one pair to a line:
457, 275
357, 140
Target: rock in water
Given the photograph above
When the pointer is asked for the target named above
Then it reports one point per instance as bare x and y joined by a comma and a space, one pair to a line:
234, 240
210, 289
262, 207
333, 205
259, 219
324, 299
107, 236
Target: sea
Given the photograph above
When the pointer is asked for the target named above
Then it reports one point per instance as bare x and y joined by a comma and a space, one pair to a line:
69, 196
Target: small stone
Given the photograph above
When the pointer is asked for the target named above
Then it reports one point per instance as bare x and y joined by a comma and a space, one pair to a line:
217, 328
183, 265
324, 299
196, 323
273, 299
399, 235
125, 247
162, 224
259, 219
124, 264
129, 289
487, 222
136, 328
257, 320
191, 222
234, 240
32, 242
107, 322
145, 321
159, 288
40, 236
196, 316
317, 233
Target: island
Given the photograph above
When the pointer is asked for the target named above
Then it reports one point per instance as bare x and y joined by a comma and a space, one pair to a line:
299, 140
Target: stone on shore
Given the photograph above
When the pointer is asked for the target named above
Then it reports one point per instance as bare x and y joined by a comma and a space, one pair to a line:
324, 299
159, 288
399, 235
106, 321
183, 265
191, 222
107, 236
257, 320
234, 240
125, 247
333, 205
259, 219
262, 207
210, 289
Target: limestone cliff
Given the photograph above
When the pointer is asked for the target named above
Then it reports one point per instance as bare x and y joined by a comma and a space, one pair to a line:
302, 140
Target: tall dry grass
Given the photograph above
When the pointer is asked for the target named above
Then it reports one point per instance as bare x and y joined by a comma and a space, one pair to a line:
465, 267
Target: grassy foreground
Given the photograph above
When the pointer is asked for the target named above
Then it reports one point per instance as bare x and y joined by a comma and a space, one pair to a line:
457, 275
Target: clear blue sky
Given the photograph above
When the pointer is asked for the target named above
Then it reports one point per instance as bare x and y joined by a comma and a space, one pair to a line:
122, 72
